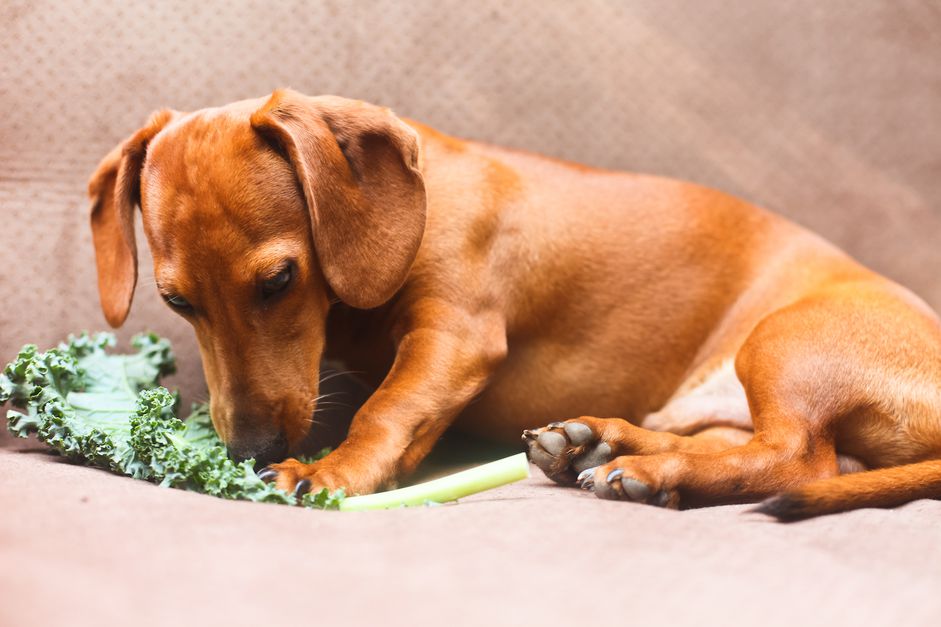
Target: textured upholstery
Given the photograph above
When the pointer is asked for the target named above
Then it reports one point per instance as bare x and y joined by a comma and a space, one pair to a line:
528, 555
826, 112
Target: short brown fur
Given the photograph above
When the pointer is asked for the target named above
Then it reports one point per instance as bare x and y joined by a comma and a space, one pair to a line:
741, 354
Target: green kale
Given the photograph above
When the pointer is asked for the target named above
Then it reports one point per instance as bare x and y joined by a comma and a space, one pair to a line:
109, 411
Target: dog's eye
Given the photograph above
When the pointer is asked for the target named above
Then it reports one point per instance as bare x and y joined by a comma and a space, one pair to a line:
278, 282
178, 302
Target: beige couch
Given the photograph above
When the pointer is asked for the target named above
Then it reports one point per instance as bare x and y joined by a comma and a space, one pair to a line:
826, 112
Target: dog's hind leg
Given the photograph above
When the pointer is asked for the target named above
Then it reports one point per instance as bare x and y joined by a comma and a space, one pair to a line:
566, 450
711, 416
842, 368
791, 442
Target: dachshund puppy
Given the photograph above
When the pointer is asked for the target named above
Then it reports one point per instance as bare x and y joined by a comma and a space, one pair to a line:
702, 349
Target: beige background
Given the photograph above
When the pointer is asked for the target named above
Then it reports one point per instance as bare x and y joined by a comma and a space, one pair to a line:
825, 111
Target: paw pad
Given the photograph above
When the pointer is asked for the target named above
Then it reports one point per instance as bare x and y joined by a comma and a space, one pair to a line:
562, 450
552, 442
578, 433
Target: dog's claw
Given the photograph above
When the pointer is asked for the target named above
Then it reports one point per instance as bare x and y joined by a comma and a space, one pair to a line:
585, 474
614, 474
529, 434
586, 478
302, 488
267, 474
555, 425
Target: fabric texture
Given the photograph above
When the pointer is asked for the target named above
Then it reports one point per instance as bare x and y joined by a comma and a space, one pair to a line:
825, 112
81, 547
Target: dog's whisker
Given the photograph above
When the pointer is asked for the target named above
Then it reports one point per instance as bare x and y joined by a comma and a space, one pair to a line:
339, 373
326, 396
312, 422
331, 402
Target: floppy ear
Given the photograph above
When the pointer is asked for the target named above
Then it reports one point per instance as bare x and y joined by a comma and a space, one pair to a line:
114, 189
358, 166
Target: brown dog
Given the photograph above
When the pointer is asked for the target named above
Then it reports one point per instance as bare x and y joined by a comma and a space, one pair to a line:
741, 354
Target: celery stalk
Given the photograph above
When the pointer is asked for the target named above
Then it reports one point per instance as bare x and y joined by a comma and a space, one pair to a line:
449, 488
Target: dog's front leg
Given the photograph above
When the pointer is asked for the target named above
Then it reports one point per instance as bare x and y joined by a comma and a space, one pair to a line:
444, 357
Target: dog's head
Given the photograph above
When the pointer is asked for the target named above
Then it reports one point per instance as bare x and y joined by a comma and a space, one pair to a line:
258, 215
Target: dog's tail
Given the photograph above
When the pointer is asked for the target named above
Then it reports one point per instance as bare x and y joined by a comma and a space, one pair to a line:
884, 487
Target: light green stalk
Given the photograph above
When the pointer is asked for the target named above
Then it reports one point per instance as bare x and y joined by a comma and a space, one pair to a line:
449, 488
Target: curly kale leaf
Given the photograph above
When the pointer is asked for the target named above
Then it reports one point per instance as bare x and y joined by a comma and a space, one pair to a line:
324, 499
109, 411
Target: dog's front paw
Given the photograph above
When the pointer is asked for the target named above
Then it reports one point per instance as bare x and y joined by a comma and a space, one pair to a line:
563, 450
294, 476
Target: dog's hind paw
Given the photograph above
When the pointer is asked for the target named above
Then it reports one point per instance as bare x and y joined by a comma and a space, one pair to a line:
563, 450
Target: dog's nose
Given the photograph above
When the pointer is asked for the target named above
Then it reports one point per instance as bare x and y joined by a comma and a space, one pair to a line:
265, 452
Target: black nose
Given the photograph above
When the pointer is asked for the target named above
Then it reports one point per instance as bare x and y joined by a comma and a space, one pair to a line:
265, 452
